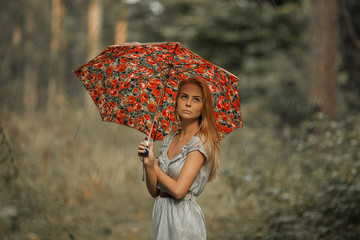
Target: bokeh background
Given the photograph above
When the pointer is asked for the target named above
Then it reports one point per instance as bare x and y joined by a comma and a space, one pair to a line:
293, 171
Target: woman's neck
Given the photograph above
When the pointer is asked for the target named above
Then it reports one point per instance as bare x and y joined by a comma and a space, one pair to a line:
189, 129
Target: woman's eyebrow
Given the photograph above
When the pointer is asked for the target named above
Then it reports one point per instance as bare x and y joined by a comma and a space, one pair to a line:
182, 94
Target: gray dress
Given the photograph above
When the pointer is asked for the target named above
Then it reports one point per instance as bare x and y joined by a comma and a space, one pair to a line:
180, 219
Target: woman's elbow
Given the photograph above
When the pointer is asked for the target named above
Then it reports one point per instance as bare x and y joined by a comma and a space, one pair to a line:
179, 195
155, 194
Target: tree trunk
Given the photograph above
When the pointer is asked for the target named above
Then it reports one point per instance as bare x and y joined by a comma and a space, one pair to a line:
95, 20
324, 39
56, 79
120, 35
30, 68
16, 36
121, 31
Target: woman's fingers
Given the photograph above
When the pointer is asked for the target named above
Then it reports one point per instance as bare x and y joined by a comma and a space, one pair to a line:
141, 149
142, 146
146, 152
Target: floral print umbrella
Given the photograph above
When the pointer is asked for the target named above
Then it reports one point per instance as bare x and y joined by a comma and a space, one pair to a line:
135, 84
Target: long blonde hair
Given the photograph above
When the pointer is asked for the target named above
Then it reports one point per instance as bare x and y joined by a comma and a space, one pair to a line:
208, 130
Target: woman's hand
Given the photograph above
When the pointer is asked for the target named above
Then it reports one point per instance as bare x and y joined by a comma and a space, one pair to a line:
150, 159
150, 166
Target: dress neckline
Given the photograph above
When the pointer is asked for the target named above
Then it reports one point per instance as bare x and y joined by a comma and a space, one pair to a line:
182, 148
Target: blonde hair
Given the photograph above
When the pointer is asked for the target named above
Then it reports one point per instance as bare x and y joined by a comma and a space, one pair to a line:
208, 131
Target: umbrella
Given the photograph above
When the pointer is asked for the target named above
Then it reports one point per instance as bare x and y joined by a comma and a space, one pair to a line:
135, 84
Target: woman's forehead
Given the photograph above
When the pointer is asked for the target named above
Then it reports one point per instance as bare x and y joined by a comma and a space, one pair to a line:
191, 89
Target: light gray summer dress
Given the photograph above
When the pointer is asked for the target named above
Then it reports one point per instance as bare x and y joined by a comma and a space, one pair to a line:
180, 219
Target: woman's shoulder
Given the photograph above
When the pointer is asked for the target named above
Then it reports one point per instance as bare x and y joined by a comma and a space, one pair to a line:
199, 140
197, 143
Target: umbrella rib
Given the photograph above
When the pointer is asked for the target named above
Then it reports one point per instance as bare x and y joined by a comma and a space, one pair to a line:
172, 66
217, 82
158, 104
172, 59
167, 75
153, 118
151, 55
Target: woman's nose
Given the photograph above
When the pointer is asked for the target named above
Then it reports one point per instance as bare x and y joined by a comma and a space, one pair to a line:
188, 103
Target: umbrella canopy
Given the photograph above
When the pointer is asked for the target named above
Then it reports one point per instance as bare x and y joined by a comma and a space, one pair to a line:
135, 84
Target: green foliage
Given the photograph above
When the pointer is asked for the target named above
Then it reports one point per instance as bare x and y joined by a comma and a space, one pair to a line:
327, 153
349, 81
255, 41
259, 43
310, 191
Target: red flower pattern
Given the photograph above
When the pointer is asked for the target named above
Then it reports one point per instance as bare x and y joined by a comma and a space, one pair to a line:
109, 70
165, 124
143, 97
131, 99
152, 107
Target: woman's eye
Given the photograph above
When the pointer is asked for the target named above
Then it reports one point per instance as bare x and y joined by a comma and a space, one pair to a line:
184, 97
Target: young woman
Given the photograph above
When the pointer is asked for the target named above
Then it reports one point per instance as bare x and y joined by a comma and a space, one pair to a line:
188, 160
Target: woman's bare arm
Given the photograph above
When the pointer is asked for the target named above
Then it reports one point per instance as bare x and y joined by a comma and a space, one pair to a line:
178, 188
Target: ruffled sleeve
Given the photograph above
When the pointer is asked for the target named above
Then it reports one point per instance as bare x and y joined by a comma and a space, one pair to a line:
197, 145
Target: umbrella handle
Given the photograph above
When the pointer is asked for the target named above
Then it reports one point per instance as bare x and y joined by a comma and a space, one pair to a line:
143, 168
146, 152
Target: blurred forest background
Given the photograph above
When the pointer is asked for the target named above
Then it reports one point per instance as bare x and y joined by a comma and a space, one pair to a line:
292, 173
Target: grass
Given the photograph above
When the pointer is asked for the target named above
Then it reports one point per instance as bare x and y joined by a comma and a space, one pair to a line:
80, 178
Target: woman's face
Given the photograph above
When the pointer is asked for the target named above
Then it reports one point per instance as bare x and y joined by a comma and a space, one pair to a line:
190, 102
